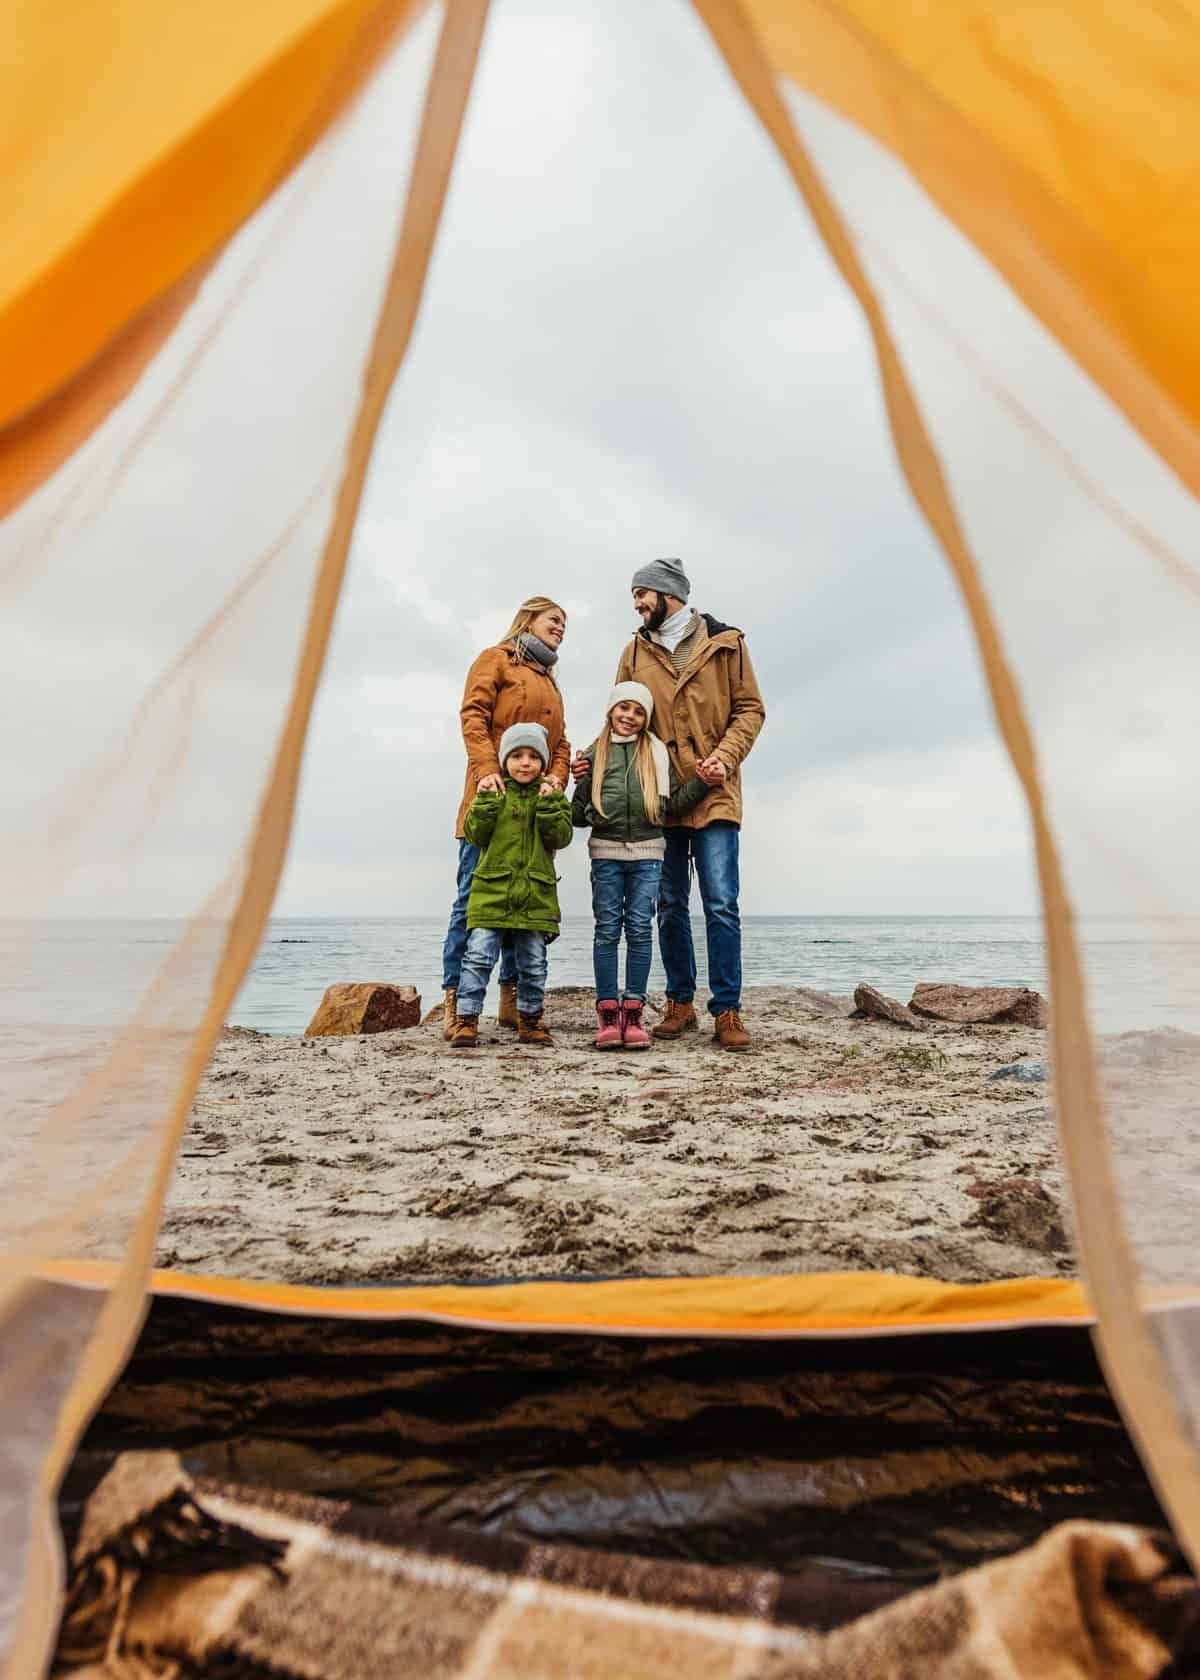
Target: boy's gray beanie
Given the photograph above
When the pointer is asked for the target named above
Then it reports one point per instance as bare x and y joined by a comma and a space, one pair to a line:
664, 575
525, 735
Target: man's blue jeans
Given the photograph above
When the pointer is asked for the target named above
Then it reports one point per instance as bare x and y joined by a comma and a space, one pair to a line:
623, 892
714, 851
456, 934
528, 951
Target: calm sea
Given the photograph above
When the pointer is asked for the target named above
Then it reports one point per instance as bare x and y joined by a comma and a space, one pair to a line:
71, 971
1131, 983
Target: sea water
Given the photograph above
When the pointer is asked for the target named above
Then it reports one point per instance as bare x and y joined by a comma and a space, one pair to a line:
71, 972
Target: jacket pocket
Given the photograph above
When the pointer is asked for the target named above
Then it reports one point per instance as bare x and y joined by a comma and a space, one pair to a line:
546, 876
493, 874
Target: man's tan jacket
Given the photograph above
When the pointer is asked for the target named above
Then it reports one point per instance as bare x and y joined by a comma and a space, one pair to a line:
712, 706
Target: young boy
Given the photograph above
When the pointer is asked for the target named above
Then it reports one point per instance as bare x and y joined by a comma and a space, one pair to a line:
514, 889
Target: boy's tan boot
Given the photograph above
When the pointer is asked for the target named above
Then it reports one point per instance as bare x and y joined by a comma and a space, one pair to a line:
729, 1032
531, 1029
466, 1032
679, 1018
449, 1011
508, 1005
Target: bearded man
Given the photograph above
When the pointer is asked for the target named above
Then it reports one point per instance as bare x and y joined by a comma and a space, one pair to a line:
708, 710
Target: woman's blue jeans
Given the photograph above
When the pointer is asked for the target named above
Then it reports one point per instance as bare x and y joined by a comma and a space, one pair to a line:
623, 894
456, 934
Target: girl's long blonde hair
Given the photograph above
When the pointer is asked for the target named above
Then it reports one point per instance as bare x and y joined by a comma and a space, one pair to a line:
647, 772
525, 615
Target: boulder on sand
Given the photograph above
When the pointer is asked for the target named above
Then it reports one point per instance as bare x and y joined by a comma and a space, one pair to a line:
869, 1002
1010, 1005
369, 1007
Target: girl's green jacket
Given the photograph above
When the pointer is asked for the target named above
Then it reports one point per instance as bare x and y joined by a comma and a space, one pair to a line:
624, 813
518, 832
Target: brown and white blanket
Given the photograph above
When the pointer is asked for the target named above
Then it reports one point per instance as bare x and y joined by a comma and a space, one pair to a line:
182, 1580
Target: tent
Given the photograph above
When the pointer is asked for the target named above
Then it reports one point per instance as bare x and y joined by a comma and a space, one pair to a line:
153, 260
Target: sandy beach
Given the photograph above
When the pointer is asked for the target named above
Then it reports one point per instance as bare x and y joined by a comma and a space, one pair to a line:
833, 1144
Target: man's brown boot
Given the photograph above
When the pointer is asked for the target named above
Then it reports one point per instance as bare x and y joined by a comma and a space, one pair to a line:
531, 1029
449, 1011
729, 1032
679, 1018
508, 1005
466, 1032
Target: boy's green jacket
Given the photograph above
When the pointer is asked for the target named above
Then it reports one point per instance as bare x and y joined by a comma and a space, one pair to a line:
624, 812
518, 832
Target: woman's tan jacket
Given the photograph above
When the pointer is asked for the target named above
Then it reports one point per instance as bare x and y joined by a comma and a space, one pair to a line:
502, 689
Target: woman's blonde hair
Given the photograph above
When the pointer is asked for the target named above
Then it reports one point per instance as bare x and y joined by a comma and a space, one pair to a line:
525, 615
647, 772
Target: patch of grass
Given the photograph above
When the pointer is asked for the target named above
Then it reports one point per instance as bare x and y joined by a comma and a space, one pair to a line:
851, 1052
918, 1058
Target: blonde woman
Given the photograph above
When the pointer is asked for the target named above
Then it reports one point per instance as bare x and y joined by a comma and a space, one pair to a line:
513, 682
625, 790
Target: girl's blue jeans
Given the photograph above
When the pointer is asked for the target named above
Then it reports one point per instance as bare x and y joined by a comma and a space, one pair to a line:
623, 895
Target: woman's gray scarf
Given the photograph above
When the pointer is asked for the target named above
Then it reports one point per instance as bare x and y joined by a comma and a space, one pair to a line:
534, 648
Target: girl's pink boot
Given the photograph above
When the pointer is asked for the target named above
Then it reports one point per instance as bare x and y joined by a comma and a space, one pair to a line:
633, 1034
608, 1022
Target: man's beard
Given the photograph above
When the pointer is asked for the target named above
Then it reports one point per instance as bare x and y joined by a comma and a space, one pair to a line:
658, 613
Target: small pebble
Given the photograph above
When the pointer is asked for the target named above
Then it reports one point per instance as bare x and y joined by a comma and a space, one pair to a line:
1028, 1073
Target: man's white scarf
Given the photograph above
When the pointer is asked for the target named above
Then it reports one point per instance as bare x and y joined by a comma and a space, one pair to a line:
672, 630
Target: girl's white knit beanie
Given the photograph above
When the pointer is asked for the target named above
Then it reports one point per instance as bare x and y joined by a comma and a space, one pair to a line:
635, 691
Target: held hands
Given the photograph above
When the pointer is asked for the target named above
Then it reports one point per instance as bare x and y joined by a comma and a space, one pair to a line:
579, 766
549, 786
491, 784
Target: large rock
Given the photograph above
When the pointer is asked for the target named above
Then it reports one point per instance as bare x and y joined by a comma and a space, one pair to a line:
867, 1001
1015, 1005
369, 1007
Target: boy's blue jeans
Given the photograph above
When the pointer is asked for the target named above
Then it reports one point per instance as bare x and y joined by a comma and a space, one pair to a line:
623, 892
456, 934
714, 850
479, 959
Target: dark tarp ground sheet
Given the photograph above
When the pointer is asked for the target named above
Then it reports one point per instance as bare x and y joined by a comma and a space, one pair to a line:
883, 1458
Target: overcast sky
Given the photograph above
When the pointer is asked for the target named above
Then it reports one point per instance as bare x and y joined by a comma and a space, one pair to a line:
631, 345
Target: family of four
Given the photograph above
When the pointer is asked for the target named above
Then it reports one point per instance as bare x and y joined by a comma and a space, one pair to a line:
659, 791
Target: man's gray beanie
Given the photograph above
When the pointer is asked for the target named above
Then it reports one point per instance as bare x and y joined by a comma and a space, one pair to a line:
664, 575
525, 735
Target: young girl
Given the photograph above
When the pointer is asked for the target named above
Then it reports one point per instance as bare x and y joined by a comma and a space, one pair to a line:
628, 791
514, 887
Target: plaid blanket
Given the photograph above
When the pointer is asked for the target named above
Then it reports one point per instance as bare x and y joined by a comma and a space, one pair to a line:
182, 1580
